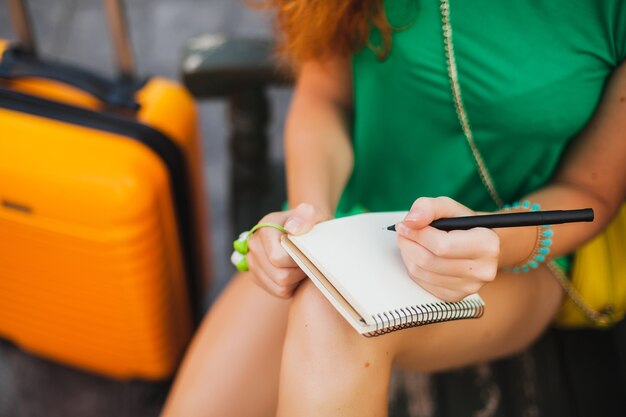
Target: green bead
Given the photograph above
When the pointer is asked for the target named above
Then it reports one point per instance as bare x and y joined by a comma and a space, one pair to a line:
540, 258
535, 207
546, 242
525, 268
547, 233
533, 264
242, 265
544, 251
516, 204
241, 246
516, 270
526, 204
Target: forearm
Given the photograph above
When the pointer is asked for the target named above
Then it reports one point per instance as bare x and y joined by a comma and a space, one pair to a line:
319, 155
516, 244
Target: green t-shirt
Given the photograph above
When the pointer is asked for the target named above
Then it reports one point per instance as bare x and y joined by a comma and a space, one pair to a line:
531, 73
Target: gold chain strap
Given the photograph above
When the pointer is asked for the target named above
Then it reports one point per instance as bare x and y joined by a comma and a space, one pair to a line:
483, 172
599, 318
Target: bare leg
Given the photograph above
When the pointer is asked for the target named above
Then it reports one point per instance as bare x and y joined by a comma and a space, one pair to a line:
232, 366
328, 369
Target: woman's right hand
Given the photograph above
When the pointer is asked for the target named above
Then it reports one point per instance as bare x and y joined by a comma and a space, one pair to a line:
269, 264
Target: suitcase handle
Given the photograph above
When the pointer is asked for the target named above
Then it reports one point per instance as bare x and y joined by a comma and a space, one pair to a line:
120, 38
22, 62
19, 63
118, 28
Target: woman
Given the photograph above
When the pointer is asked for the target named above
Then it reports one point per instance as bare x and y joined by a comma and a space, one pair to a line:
374, 126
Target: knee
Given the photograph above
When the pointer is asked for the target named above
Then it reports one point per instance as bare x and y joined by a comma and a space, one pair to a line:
311, 317
318, 343
316, 328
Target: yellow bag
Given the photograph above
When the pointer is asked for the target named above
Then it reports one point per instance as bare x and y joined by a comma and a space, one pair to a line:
598, 280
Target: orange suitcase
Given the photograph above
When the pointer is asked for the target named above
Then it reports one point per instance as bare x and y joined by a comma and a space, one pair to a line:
101, 245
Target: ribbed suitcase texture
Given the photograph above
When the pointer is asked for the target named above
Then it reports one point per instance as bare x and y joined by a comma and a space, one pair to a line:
98, 254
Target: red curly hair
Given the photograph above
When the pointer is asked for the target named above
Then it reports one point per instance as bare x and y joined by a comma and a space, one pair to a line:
319, 29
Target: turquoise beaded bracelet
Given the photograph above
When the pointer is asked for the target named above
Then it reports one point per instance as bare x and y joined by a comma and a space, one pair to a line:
545, 234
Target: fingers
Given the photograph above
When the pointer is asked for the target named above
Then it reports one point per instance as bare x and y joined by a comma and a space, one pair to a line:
267, 242
459, 260
263, 279
303, 218
456, 244
269, 264
297, 221
425, 210
445, 294
421, 263
445, 287
441, 286
271, 267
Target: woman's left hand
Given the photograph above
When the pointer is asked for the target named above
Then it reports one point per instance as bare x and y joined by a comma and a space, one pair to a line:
450, 265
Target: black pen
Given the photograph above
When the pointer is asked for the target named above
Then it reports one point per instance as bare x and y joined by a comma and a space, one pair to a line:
527, 218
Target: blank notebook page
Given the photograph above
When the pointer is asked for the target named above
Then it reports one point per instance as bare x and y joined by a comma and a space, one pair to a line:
362, 260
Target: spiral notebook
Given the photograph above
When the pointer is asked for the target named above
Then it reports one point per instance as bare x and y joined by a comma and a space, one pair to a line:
356, 264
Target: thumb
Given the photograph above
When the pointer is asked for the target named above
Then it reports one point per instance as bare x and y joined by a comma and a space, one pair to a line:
303, 218
426, 210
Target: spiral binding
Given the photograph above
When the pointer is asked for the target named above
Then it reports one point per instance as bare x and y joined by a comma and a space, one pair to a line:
413, 316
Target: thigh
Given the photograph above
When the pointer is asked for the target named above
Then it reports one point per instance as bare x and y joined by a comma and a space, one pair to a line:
236, 350
518, 307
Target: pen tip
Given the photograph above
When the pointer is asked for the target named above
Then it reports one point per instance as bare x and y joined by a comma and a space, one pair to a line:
392, 228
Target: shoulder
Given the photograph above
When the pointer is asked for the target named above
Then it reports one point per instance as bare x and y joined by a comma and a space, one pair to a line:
331, 78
